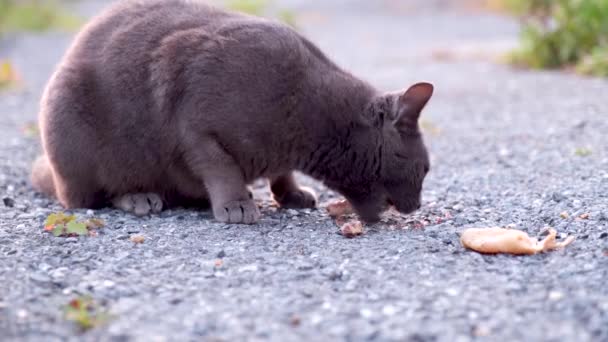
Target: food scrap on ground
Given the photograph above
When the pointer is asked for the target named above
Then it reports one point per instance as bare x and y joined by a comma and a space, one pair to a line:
511, 241
564, 215
340, 211
340, 208
137, 238
352, 229
295, 320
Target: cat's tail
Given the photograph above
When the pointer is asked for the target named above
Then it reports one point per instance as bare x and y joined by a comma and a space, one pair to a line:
42, 176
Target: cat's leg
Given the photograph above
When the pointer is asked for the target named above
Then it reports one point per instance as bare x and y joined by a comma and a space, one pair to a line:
288, 194
230, 198
139, 204
75, 187
76, 192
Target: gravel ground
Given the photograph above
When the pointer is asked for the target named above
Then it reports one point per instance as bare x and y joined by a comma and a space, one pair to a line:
504, 151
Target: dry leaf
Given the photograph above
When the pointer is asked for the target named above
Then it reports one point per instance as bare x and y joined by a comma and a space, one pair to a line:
511, 241
8, 75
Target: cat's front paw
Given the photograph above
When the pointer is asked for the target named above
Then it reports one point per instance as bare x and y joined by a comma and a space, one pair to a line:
241, 211
139, 204
297, 199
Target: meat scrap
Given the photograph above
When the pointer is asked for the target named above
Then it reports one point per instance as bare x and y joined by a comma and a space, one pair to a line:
511, 241
340, 208
352, 229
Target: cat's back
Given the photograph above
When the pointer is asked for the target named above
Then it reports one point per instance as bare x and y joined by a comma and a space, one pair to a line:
135, 41
132, 27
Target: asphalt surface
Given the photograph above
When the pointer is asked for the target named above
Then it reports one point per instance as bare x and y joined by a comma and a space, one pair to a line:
508, 147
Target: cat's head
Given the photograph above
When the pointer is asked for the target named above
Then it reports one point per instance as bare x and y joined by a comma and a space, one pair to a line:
403, 160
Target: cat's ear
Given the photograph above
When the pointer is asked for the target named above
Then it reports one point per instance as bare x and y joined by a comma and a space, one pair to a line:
410, 104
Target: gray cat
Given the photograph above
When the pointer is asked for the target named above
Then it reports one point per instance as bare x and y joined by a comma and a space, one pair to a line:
177, 103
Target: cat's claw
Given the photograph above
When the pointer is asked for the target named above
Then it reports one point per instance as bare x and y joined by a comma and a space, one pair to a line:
299, 199
139, 204
245, 211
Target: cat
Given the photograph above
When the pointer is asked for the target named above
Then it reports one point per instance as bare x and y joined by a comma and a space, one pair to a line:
171, 103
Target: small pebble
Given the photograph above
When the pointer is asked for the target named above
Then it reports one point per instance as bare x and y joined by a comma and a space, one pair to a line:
556, 295
389, 310
248, 268
557, 197
8, 202
22, 314
366, 313
40, 278
452, 292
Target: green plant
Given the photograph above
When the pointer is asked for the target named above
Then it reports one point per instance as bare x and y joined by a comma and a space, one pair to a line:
61, 224
260, 8
86, 313
35, 15
563, 33
253, 7
596, 63
582, 152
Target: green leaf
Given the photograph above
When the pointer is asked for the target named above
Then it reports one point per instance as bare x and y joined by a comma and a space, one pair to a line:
51, 220
77, 228
582, 152
253, 7
86, 313
58, 230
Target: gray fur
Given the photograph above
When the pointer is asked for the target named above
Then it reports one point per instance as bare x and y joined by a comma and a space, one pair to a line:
184, 102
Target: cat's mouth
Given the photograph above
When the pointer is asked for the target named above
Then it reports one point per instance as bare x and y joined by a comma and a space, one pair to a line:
407, 210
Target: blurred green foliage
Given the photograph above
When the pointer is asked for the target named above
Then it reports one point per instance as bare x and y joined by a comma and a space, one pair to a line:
253, 7
563, 33
260, 8
35, 15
